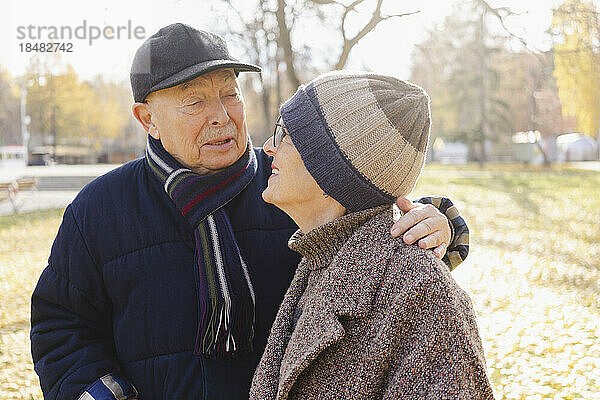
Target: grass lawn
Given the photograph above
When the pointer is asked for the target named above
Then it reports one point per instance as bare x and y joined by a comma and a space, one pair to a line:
533, 274
24, 248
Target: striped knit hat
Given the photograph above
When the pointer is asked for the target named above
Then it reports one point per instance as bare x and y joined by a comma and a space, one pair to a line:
361, 136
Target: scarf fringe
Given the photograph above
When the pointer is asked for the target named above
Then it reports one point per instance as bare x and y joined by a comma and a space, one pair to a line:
226, 331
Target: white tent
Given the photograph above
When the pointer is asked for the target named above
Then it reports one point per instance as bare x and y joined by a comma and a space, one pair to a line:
576, 147
451, 152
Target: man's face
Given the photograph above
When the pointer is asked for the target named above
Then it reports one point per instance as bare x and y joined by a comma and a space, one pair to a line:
202, 123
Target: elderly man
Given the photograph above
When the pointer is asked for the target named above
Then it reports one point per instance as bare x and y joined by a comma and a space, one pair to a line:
166, 273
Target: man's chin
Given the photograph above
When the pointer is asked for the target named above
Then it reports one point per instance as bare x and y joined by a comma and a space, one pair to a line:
220, 160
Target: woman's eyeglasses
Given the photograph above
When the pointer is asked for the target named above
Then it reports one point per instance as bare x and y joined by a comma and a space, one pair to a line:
279, 132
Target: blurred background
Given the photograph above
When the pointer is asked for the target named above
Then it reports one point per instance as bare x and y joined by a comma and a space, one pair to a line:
515, 89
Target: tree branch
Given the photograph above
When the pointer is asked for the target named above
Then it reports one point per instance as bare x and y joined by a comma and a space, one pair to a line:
347, 10
324, 2
501, 13
386, 17
375, 19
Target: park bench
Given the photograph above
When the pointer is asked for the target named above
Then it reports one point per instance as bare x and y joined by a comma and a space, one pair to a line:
9, 191
30, 184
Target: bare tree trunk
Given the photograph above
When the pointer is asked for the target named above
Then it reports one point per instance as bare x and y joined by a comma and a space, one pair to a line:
534, 126
278, 81
285, 43
264, 88
266, 100
483, 123
53, 115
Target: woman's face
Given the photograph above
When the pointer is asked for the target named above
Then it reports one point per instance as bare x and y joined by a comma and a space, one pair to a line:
290, 184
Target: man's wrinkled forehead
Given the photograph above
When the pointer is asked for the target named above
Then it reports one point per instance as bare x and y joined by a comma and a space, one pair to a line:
221, 75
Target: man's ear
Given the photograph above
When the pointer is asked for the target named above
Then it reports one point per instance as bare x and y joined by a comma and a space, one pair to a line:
142, 112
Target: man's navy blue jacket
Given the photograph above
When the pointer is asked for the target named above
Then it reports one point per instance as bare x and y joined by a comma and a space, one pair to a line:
117, 305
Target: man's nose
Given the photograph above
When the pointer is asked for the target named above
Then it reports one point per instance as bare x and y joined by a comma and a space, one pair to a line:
218, 115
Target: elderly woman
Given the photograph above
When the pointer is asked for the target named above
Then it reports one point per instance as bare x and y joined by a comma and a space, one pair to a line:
366, 315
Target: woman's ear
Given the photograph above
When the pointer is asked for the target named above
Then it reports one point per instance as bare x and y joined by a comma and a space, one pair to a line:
143, 113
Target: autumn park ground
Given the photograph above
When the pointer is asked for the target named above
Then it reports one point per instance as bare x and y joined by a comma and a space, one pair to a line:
533, 274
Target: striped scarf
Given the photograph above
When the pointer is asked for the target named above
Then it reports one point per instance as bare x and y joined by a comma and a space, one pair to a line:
225, 292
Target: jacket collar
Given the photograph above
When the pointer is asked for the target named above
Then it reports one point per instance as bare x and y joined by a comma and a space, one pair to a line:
347, 290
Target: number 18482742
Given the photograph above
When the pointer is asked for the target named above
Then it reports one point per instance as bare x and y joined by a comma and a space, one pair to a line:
50, 47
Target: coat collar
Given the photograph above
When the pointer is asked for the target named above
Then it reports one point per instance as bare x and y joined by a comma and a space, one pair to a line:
346, 289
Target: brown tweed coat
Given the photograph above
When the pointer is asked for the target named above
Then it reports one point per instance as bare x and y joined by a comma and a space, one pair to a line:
369, 317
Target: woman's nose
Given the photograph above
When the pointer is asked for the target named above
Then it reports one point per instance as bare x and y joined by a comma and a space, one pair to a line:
268, 146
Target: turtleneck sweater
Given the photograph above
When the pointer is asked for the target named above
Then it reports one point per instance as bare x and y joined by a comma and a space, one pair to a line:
319, 246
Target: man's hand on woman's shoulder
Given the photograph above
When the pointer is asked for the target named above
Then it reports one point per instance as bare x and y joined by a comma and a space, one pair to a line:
427, 225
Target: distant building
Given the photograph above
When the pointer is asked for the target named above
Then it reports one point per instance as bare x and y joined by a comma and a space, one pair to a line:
41, 155
12, 155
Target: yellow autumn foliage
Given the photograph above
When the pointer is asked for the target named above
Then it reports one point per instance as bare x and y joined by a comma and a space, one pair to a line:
576, 23
79, 112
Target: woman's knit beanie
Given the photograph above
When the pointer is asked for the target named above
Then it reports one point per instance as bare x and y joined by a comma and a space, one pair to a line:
361, 136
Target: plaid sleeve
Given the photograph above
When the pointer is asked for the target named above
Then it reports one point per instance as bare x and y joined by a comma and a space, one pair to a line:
458, 249
110, 387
